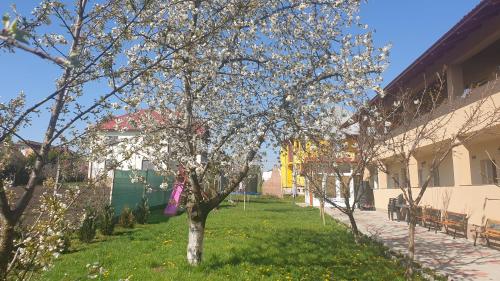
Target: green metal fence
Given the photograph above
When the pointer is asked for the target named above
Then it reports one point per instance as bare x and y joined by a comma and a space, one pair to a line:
126, 193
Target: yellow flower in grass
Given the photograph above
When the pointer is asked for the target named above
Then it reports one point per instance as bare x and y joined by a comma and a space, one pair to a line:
171, 264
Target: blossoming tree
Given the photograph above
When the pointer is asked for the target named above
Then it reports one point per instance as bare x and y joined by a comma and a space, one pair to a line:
83, 41
337, 162
253, 74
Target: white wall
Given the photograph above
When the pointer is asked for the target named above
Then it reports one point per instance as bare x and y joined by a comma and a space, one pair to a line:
117, 153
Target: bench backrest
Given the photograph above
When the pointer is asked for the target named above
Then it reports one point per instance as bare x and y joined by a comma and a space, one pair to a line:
431, 212
458, 217
493, 224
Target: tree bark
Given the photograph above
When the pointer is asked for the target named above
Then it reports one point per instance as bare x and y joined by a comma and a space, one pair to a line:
322, 210
354, 226
411, 246
197, 218
6, 247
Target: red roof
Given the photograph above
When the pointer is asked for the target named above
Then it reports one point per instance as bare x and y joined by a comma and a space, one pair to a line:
130, 121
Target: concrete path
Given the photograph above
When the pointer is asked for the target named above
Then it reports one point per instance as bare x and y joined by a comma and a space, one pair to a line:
456, 258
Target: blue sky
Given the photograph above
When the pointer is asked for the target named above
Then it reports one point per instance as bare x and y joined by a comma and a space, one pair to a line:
410, 26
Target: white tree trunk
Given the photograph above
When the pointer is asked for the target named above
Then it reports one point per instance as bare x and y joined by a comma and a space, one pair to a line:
411, 245
195, 241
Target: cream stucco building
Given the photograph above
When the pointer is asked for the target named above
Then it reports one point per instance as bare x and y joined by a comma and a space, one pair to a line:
469, 57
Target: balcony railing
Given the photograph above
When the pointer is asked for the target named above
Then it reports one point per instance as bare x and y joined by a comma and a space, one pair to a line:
472, 95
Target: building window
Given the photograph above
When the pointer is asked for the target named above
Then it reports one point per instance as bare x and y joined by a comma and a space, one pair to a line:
374, 178
110, 164
420, 177
435, 177
147, 165
402, 179
489, 173
111, 140
331, 187
395, 180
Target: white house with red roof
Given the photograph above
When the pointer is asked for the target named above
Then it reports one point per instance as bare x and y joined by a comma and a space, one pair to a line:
120, 153
124, 147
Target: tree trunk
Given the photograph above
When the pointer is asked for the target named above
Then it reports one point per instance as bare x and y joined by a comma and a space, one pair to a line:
6, 248
411, 246
196, 234
354, 226
322, 210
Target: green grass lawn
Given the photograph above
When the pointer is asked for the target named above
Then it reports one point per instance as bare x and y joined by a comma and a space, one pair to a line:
271, 240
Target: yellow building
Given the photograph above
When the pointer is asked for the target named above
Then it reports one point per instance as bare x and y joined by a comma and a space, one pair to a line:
291, 160
294, 158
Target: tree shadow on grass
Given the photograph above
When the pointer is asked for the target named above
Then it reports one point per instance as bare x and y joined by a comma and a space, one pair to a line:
260, 201
157, 216
78, 246
288, 211
225, 206
123, 232
311, 253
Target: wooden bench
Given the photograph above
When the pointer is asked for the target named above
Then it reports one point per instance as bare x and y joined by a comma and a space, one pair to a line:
490, 231
455, 221
419, 215
432, 219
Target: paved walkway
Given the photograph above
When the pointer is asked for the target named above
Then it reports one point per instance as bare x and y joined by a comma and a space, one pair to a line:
456, 258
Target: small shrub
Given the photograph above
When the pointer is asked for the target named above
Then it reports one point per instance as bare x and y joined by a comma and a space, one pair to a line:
127, 218
141, 211
106, 220
66, 241
88, 228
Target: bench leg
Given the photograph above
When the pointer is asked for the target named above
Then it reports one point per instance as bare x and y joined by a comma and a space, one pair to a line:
475, 239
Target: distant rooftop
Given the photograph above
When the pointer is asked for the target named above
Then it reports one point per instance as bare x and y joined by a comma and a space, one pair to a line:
131, 121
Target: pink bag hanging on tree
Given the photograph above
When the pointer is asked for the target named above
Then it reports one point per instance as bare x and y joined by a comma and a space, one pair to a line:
175, 197
173, 203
